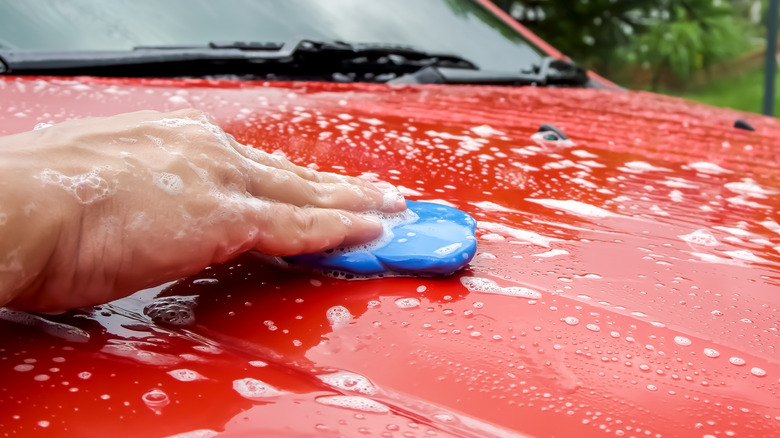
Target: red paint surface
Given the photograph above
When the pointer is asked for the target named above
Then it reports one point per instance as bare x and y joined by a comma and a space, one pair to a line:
595, 355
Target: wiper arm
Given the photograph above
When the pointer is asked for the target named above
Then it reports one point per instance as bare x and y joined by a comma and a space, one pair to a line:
297, 57
550, 72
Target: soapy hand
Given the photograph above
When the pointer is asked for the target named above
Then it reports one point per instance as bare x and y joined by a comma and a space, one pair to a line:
94, 209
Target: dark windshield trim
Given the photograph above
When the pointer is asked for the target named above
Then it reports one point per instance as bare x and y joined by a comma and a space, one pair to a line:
247, 52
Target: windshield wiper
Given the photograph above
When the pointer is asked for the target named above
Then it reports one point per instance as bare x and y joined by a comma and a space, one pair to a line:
551, 72
296, 59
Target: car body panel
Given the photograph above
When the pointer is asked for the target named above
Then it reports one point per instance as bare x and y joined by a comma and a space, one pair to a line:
624, 284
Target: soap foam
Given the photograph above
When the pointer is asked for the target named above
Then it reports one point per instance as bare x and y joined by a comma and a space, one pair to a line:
523, 235
87, 187
198, 433
484, 285
388, 221
202, 122
354, 402
749, 187
575, 207
254, 389
708, 168
185, 375
701, 237
168, 182
338, 316
347, 381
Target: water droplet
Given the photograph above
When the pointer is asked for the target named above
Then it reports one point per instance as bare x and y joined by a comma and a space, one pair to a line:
682, 341
652, 387
407, 303
571, 320
444, 418
711, 352
738, 361
205, 281
593, 327
758, 372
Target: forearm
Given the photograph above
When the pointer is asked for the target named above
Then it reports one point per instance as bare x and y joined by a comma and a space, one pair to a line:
31, 219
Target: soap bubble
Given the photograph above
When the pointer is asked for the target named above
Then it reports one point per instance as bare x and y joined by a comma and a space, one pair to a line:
156, 400
173, 310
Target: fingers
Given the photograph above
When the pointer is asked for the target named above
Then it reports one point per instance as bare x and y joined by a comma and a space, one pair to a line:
287, 186
275, 178
284, 230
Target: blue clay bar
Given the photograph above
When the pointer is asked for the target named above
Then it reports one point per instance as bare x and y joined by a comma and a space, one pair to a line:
439, 241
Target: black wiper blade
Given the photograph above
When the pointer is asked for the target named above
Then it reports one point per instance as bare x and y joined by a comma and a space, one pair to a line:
295, 58
551, 72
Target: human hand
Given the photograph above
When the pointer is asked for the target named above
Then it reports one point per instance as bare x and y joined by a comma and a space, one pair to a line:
107, 206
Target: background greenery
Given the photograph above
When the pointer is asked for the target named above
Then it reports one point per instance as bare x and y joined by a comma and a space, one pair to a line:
706, 50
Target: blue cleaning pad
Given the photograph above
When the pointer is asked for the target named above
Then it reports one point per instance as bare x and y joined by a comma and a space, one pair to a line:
432, 239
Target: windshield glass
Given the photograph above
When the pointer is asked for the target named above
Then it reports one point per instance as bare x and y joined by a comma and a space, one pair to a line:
461, 27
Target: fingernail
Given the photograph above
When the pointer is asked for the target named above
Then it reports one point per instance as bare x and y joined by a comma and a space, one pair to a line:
393, 200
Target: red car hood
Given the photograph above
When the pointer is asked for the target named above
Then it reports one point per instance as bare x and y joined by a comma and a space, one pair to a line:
623, 286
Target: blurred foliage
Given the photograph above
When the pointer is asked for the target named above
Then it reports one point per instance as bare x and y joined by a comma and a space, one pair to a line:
619, 38
742, 91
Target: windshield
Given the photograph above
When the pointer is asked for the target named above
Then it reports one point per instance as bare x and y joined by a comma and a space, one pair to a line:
462, 27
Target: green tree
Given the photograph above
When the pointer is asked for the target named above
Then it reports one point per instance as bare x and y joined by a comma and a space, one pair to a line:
678, 37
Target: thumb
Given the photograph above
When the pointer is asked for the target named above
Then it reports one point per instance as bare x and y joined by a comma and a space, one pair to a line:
282, 229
